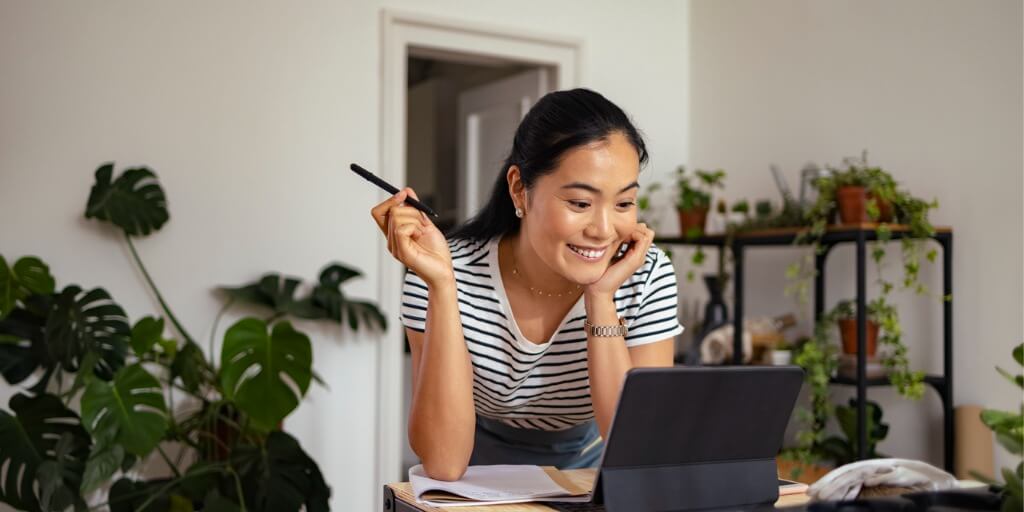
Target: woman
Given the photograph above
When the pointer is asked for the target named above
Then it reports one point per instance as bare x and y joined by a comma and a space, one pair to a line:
524, 322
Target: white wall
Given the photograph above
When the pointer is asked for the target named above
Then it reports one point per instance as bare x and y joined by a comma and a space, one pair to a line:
250, 112
933, 90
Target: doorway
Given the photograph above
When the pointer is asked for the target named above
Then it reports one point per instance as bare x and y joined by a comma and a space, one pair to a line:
461, 115
452, 94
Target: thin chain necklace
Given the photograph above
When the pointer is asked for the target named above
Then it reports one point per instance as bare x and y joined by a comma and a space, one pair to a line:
515, 272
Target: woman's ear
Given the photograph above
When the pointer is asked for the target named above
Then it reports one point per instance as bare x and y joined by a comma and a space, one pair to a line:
516, 189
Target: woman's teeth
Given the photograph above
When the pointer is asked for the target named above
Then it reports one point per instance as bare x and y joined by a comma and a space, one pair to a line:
589, 254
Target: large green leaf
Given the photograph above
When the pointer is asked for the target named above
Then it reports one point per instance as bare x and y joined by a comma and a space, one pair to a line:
105, 458
134, 202
191, 366
130, 409
145, 333
361, 311
273, 291
28, 276
44, 434
329, 297
335, 274
266, 375
59, 477
83, 322
23, 344
281, 478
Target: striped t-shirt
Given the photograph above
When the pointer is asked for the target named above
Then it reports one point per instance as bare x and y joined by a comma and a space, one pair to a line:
539, 386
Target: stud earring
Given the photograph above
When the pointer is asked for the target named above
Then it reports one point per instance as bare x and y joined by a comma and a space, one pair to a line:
519, 212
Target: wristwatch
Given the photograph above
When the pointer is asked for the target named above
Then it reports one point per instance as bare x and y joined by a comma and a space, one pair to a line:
606, 331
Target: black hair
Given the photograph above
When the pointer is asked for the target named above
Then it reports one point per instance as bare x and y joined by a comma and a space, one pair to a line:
560, 121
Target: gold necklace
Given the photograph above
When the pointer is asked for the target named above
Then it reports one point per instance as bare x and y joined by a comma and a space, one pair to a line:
515, 272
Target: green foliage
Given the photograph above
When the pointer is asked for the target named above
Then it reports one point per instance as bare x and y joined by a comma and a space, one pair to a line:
843, 450
129, 410
28, 276
126, 377
134, 202
256, 364
693, 193
908, 383
326, 300
45, 444
1009, 430
819, 359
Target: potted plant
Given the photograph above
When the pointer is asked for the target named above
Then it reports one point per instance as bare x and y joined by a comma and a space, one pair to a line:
1008, 427
781, 354
694, 198
140, 389
846, 320
843, 449
862, 193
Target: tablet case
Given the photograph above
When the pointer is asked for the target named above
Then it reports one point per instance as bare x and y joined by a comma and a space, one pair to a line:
687, 438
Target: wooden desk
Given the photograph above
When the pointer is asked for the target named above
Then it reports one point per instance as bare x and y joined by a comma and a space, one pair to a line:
398, 497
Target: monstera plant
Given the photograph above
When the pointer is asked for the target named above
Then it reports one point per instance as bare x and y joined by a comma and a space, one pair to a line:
144, 390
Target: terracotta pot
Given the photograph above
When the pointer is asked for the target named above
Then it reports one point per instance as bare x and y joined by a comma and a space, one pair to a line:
848, 330
853, 206
694, 218
800, 472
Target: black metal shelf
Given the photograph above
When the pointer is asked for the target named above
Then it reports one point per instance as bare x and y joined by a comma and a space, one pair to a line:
858, 234
935, 381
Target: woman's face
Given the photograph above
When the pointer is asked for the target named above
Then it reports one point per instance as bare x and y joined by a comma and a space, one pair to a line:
578, 215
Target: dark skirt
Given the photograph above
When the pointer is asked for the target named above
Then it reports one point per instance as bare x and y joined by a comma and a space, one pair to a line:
499, 443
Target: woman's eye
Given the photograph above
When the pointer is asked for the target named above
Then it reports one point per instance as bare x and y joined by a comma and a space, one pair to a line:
579, 204
627, 204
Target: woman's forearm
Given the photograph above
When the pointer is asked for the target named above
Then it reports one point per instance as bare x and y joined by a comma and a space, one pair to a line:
442, 419
608, 361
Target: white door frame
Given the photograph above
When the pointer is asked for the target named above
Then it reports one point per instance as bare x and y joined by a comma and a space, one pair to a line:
402, 30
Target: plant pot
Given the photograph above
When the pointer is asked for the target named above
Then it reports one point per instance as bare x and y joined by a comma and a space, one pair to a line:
692, 221
848, 330
804, 473
853, 205
780, 357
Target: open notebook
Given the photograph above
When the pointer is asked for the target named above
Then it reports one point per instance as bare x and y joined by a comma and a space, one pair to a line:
493, 485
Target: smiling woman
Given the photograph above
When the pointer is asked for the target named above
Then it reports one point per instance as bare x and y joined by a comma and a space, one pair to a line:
525, 320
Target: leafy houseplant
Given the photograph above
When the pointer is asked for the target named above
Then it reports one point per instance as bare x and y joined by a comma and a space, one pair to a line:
694, 198
846, 319
1008, 427
139, 389
843, 450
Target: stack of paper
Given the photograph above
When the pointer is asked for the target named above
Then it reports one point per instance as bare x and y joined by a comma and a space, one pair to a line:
493, 485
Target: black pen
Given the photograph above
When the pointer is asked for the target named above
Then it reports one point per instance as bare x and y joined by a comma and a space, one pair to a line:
389, 188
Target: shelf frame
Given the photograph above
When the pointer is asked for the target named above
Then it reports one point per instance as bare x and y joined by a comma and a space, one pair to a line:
860, 235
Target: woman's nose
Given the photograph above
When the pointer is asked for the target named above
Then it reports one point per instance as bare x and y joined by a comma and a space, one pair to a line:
600, 227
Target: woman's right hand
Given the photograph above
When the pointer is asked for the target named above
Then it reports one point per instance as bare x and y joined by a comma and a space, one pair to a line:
413, 239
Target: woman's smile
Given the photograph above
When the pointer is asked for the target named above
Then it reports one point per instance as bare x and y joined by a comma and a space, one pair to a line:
588, 254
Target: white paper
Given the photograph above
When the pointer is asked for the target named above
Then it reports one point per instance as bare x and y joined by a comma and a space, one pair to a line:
494, 485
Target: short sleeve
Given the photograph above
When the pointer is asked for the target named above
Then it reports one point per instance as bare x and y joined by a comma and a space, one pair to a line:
657, 317
414, 302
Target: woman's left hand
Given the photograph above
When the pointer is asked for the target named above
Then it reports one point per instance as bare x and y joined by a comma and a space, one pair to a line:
617, 273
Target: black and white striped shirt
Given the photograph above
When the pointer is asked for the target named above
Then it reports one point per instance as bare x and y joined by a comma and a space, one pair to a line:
539, 386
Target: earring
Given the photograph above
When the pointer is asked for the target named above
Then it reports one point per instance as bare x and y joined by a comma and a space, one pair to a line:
519, 212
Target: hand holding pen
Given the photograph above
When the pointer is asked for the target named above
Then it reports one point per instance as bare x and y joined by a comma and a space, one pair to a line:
412, 239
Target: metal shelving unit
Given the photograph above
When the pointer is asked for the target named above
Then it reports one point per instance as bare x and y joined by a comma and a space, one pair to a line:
860, 235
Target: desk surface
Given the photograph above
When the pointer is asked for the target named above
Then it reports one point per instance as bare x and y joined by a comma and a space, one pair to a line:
401, 499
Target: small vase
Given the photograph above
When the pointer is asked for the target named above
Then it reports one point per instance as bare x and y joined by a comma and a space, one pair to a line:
716, 314
781, 357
